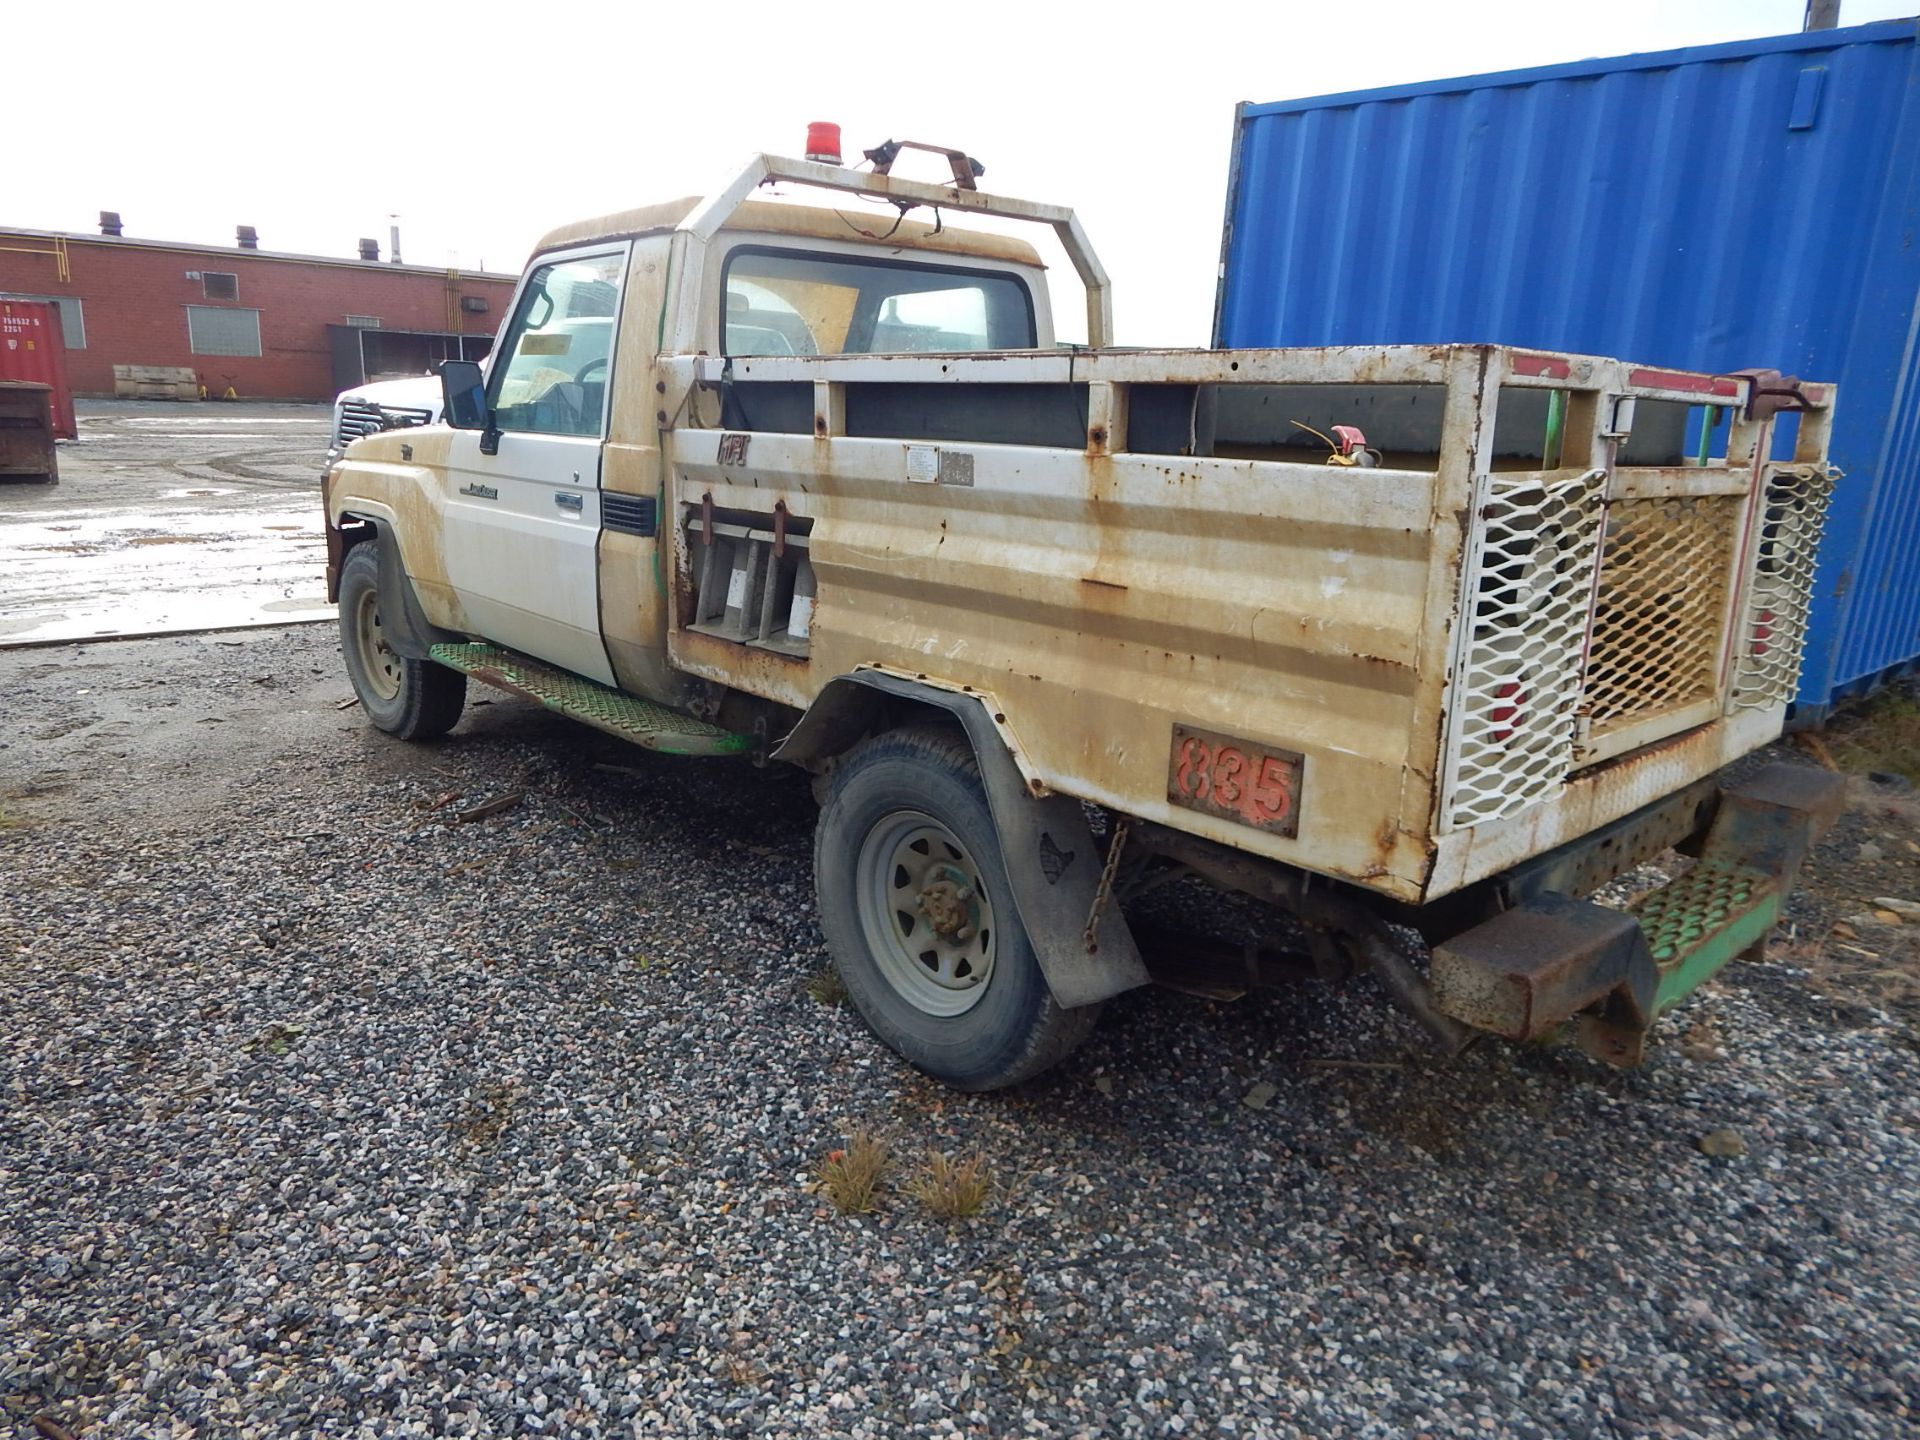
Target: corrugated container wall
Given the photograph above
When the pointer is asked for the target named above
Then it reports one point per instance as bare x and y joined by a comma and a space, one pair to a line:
1750, 204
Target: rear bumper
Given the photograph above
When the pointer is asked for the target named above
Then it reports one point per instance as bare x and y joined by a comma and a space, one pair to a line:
1553, 959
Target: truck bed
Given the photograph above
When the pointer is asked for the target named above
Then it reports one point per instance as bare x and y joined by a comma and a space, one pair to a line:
1571, 586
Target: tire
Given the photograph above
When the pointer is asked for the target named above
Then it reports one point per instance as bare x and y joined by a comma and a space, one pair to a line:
921, 921
413, 699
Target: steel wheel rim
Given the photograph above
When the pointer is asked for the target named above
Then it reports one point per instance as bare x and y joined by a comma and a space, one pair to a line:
926, 914
377, 660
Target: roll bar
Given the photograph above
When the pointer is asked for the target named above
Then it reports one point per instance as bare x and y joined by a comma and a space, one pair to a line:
703, 222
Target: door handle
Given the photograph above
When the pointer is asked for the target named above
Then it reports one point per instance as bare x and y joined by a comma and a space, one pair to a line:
566, 500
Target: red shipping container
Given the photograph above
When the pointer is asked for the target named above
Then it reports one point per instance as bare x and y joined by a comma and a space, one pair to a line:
31, 348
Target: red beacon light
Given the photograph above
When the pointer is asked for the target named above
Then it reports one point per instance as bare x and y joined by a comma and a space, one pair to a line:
823, 142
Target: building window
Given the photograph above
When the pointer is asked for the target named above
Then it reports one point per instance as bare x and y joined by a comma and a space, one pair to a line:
73, 322
364, 322
219, 285
222, 332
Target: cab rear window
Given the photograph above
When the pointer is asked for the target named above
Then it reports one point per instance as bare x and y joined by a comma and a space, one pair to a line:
788, 302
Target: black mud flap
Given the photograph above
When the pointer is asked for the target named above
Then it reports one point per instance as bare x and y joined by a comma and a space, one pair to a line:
408, 630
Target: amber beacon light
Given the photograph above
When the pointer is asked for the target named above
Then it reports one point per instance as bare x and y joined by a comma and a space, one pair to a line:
823, 142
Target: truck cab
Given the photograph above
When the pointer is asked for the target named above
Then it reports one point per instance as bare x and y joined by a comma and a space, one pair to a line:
1399, 640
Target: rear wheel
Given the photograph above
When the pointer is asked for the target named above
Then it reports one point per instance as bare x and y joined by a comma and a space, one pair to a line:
916, 907
413, 699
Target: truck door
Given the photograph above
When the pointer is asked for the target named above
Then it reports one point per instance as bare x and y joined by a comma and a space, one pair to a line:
522, 521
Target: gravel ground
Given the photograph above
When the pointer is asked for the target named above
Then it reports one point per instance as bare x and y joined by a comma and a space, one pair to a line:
326, 1113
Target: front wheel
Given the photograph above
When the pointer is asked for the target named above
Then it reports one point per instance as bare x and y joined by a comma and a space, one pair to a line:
413, 699
916, 907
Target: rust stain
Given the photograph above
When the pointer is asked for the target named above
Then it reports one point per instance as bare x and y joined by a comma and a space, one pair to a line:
1386, 839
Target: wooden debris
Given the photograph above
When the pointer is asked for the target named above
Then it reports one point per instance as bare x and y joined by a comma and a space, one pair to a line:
490, 807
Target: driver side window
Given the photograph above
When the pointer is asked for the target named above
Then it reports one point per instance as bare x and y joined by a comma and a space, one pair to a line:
558, 355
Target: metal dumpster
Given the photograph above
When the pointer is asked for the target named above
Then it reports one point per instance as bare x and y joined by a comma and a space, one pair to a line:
26, 431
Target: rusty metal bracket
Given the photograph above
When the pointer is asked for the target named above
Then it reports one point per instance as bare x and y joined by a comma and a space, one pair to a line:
966, 169
706, 517
1769, 392
779, 529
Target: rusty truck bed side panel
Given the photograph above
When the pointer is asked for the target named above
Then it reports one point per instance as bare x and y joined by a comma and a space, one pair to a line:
1103, 598
1101, 604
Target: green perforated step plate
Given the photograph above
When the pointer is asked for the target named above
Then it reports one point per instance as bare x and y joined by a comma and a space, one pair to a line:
644, 723
1696, 924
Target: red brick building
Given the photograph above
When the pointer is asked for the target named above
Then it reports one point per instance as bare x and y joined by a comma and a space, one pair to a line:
266, 325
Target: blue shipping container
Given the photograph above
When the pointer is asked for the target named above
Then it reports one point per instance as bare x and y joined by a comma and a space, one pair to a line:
1749, 204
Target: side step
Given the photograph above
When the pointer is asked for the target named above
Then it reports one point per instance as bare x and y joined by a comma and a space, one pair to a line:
1553, 958
644, 723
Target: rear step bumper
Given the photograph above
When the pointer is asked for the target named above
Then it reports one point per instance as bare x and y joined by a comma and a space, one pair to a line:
1553, 958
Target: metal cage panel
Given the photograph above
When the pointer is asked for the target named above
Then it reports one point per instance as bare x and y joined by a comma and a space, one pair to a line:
1531, 582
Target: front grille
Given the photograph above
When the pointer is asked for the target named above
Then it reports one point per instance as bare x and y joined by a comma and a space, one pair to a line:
363, 417
357, 418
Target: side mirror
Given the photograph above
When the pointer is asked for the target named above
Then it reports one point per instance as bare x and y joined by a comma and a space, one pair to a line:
463, 395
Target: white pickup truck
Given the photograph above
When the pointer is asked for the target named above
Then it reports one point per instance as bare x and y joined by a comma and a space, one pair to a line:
381, 405
1421, 645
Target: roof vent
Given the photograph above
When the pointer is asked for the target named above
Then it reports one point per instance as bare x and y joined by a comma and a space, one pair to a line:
109, 222
247, 236
369, 249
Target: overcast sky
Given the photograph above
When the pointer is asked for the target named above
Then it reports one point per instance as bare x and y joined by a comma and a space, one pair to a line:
484, 125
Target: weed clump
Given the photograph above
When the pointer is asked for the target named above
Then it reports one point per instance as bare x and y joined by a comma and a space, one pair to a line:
851, 1177
826, 987
952, 1188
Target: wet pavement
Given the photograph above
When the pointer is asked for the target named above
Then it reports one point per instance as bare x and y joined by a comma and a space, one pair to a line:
168, 516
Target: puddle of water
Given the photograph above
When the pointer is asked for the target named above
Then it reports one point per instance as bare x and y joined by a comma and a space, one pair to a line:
143, 574
151, 421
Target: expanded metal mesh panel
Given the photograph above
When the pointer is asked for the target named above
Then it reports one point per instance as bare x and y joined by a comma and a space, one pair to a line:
1520, 676
1774, 635
1661, 603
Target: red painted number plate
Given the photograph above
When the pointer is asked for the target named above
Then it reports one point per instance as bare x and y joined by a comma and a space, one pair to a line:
1238, 780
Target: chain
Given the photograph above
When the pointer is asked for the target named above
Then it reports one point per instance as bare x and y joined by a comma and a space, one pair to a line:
1104, 892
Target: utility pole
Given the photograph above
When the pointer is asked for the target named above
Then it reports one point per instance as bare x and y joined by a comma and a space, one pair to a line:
1822, 14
